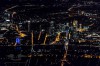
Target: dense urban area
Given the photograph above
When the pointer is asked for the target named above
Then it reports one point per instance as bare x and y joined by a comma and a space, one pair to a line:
49, 33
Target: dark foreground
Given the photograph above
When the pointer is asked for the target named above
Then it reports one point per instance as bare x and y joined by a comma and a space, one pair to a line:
42, 55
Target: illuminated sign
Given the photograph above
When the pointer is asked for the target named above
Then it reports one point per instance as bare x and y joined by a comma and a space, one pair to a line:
17, 40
